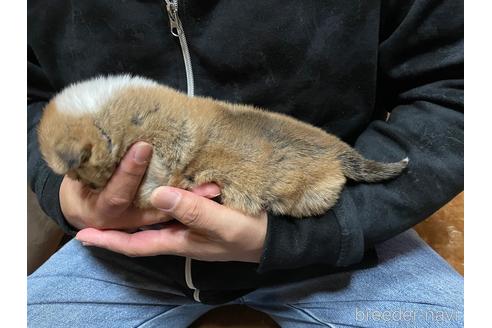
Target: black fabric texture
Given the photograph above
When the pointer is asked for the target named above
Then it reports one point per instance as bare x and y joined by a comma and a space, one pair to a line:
344, 66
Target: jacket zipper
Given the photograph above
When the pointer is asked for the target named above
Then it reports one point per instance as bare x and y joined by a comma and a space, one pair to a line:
177, 31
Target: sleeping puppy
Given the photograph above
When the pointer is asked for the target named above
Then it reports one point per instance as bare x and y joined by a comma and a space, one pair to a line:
260, 160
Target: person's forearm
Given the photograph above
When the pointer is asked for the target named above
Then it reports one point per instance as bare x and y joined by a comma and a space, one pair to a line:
433, 137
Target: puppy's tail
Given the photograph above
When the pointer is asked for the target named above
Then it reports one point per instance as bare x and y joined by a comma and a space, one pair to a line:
358, 168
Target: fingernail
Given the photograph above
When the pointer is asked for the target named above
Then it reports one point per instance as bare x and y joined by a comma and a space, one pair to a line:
165, 199
142, 153
85, 243
208, 190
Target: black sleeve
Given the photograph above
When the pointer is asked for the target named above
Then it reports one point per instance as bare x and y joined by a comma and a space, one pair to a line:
42, 180
420, 82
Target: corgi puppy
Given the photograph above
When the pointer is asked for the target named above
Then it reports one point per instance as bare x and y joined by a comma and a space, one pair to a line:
260, 160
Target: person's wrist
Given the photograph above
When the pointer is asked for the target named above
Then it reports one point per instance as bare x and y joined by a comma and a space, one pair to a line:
255, 239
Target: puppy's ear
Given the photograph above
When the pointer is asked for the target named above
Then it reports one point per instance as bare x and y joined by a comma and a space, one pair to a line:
73, 157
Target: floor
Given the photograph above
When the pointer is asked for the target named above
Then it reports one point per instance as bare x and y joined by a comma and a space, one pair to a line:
444, 231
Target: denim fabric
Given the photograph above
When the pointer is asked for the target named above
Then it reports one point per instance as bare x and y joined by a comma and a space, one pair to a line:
411, 287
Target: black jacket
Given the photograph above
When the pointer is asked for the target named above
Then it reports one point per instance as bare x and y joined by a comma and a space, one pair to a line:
340, 65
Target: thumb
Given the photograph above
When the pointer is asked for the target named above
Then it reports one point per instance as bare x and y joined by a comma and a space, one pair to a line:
190, 209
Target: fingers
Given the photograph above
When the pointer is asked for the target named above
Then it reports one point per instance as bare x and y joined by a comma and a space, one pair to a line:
192, 210
130, 219
120, 191
135, 218
144, 243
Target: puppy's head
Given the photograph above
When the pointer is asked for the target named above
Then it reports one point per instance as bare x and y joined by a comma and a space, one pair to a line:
70, 139
76, 146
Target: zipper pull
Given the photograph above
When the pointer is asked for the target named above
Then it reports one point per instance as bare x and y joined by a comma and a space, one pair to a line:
172, 13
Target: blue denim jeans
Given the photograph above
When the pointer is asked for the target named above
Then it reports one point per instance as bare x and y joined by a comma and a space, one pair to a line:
411, 287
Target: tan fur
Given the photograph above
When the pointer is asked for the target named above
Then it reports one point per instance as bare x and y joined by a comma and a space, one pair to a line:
261, 160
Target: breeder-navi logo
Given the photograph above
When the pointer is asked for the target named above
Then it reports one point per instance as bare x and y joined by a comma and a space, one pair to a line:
402, 315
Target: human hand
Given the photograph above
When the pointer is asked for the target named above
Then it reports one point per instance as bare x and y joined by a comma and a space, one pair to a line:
204, 230
112, 208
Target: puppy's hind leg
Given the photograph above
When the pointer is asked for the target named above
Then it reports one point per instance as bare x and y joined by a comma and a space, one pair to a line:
309, 194
319, 198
